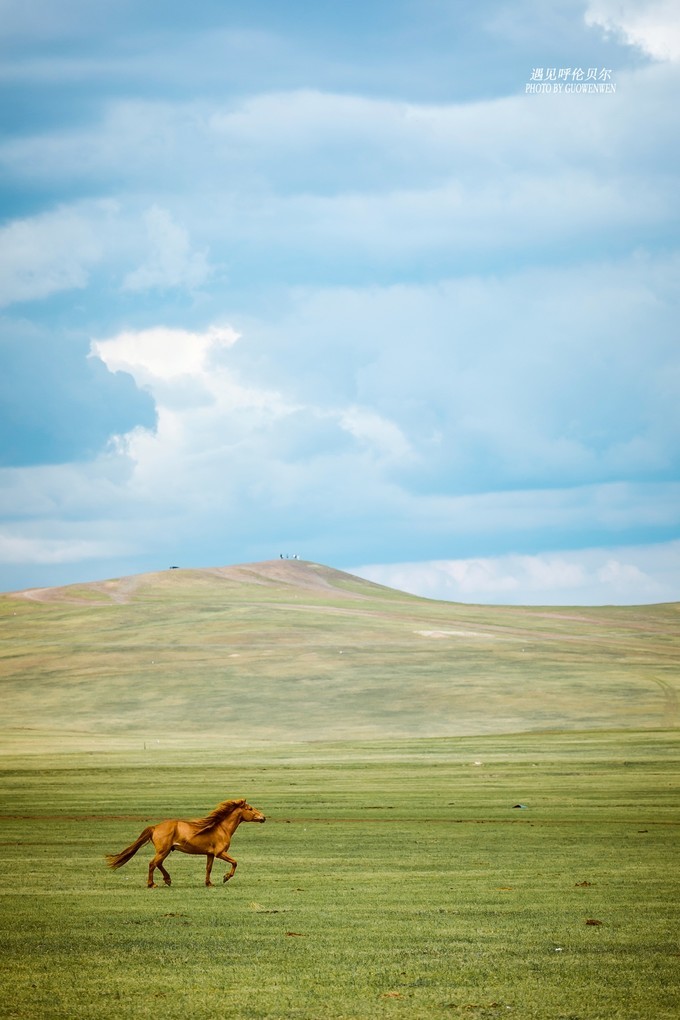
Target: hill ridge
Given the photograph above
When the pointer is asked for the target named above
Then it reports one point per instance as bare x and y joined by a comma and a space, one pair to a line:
272, 573
294, 650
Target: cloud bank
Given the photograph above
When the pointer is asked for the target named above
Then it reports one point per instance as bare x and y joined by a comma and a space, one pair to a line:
615, 576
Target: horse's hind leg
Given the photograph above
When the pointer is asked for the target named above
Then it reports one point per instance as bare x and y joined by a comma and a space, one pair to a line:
157, 862
163, 838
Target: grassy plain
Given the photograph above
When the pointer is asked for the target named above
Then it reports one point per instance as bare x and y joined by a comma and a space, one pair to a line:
392, 879
388, 739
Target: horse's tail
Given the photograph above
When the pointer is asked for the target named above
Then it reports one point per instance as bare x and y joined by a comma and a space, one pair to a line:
118, 860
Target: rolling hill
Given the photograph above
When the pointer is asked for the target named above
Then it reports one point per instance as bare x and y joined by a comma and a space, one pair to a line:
292, 650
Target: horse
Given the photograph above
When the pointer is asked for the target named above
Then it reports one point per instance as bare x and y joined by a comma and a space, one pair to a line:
209, 837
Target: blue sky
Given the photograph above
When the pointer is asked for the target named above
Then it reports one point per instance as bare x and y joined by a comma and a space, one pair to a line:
328, 280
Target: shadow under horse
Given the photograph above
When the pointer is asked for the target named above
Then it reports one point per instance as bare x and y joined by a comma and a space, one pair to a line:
209, 837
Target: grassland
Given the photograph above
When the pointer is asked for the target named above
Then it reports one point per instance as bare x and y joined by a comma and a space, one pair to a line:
392, 879
472, 811
289, 650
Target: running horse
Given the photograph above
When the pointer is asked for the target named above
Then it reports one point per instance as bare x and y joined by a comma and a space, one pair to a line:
209, 837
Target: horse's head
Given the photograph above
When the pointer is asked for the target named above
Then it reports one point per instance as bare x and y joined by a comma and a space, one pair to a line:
251, 814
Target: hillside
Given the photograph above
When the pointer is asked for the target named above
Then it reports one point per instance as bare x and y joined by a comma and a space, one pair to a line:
291, 650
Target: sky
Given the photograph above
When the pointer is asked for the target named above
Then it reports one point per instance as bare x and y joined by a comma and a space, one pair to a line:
390, 286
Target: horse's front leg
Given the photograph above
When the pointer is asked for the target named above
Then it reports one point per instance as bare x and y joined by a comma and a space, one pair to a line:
208, 868
230, 860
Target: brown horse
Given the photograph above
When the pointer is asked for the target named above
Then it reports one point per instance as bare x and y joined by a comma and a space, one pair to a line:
209, 836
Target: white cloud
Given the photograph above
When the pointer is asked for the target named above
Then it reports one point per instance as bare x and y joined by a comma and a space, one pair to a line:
218, 433
651, 25
171, 262
631, 575
206, 417
378, 434
60, 250
51, 252
163, 354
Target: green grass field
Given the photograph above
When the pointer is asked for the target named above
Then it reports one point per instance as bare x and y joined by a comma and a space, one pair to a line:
388, 739
392, 879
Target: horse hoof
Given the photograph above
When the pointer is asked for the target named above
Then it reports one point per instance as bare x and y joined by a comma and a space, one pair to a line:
152, 885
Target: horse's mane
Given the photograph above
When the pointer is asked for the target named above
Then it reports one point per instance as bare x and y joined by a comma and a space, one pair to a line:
216, 816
